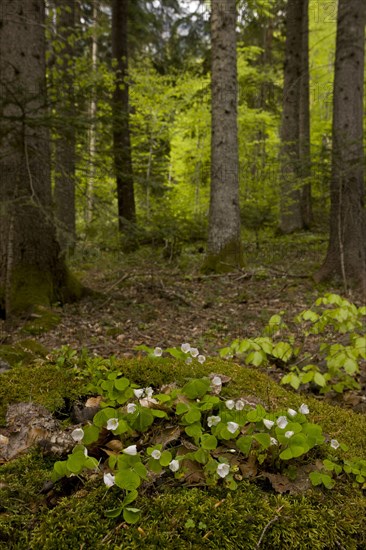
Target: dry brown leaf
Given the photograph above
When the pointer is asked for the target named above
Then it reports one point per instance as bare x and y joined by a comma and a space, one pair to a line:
93, 401
249, 468
168, 435
115, 445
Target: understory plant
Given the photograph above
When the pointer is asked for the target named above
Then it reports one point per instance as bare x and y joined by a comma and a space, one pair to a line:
325, 347
193, 435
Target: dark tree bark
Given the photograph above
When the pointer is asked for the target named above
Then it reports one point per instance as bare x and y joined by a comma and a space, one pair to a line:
31, 271
121, 129
291, 215
346, 256
64, 193
224, 241
304, 122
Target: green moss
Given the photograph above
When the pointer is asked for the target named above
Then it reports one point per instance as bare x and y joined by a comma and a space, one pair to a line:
46, 384
30, 286
42, 320
24, 351
317, 520
229, 258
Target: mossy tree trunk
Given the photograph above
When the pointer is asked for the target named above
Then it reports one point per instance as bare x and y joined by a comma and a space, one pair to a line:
346, 256
224, 243
64, 193
304, 122
291, 215
31, 271
121, 128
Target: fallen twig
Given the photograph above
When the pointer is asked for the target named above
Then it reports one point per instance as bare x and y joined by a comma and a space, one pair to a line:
266, 527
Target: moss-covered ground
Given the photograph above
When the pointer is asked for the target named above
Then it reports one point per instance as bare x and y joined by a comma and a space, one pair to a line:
71, 516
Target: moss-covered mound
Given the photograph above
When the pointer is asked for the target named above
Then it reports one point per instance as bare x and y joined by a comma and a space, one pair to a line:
72, 515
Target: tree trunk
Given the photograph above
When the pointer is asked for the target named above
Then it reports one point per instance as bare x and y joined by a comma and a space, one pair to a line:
92, 129
31, 271
304, 123
291, 215
64, 193
224, 241
346, 256
121, 129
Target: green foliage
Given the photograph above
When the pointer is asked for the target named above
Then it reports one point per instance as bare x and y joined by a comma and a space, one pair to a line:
331, 318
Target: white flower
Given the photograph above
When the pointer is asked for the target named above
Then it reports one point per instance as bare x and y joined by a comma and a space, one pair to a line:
268, 423
189, 360
291, 412
158, 352
186, 348
273, 441
131, 450
282, 422
289, 434
174, 465
131, 407
156, 454
85, 452
201, 359
139, 393
230, 404
112, 424
304, 409
213, 421
232, 427
108, 480
216, 381
77, 434
239, 405
223, 470
149, 391
334, 444
194, 352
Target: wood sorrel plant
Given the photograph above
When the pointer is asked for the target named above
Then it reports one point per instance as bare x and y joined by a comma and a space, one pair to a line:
195, 431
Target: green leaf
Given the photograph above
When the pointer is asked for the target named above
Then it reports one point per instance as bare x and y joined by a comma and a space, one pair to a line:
130, 497
154, 465
197, 388
127, 479
60, 468
319, 379
158, 414
114, 513
286, 454
256, 358
75, 462
181, 408
121, 384
101, 418
201, 456
263, 439
91, 434
143, 420
208, 442
244, 444
165, 458
283, 351
257, 414
194, 430
192, 416
131, 515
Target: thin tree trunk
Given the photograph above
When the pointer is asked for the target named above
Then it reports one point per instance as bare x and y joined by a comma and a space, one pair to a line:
224, 242
304, 124
291, 215
65, 141
121, 128
31, 271
346, 256
92, 118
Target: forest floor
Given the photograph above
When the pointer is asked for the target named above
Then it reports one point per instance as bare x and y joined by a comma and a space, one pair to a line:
142, 298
